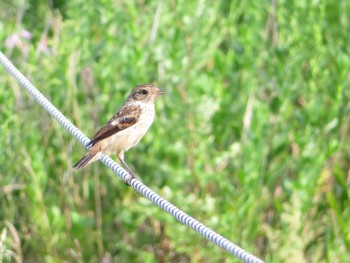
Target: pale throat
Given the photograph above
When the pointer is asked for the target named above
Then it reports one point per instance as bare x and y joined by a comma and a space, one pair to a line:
147, 107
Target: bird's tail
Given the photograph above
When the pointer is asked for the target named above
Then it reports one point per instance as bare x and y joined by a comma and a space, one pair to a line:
87, 159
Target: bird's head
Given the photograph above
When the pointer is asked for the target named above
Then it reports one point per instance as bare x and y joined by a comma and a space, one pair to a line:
146, 93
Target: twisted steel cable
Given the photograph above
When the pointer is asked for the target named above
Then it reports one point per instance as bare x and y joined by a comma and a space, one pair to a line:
118, 170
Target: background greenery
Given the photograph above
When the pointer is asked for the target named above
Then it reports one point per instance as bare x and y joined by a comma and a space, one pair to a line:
252, 137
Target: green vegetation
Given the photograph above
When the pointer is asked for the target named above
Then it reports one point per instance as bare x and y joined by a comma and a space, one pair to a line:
252, 137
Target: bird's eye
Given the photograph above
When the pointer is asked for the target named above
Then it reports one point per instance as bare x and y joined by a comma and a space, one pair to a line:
144, 92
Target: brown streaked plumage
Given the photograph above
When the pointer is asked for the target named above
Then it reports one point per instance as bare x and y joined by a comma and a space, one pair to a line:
126, 128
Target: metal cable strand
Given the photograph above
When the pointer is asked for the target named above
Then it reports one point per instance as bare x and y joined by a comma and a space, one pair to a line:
136, 184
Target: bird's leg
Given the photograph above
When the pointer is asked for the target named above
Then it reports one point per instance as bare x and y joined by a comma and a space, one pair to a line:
127, 168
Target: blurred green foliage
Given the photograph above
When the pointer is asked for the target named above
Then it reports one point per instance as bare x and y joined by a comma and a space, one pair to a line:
252, 137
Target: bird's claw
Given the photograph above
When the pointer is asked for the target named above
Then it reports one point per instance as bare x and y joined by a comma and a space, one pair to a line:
129, 179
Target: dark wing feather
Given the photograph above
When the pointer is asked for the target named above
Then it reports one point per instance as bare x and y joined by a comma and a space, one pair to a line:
124, 118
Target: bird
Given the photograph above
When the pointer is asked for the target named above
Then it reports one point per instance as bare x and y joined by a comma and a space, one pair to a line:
125, 129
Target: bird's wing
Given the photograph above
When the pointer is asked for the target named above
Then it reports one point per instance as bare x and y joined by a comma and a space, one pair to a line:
127, 116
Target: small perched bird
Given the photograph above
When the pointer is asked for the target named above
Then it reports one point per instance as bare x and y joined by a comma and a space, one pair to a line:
126, 128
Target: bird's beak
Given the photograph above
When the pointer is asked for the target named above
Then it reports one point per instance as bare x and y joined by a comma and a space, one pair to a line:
160, 92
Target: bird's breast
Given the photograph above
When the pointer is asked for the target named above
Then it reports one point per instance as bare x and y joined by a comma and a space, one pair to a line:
125, 139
